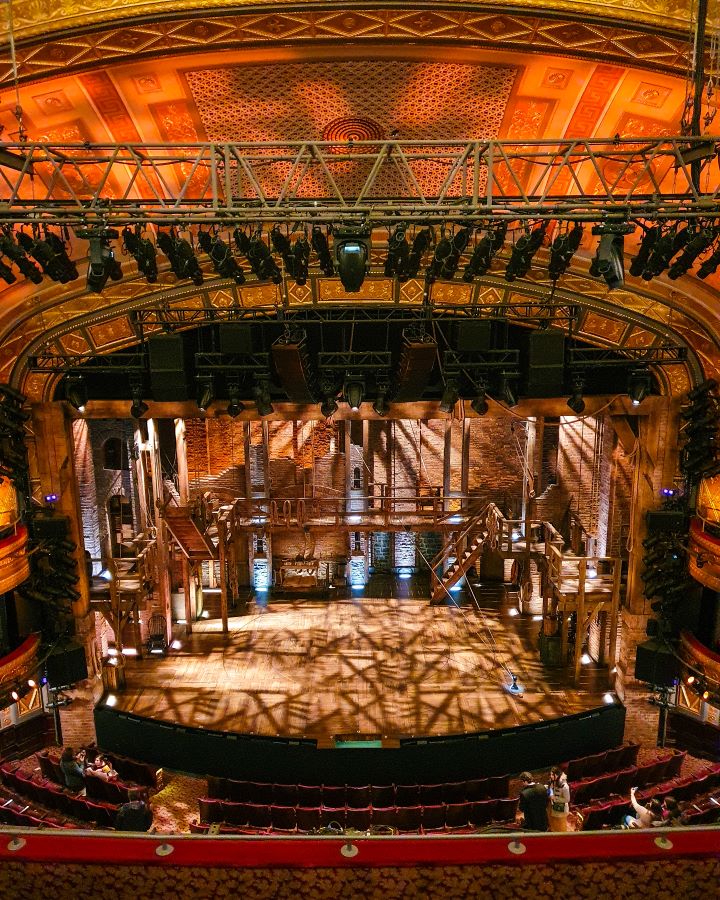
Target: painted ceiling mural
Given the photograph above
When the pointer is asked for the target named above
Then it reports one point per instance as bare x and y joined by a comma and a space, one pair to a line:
106, 70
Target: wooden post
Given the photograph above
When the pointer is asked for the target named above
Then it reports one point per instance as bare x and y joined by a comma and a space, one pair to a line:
465, 465
614, 616
182, 463
187, 579
222, 538
163, 555
580, 614
199, 599
447, 462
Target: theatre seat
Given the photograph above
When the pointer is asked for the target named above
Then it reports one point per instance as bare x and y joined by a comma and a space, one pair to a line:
506, 809
358, 797
385, 816
329, 814
409, 819
382, 795
483, 812
283, 818
407, 794
210, 810
308, 819
358, 819
433, 818
457, 815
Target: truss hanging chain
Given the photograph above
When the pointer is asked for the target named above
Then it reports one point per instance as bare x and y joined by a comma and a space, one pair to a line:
380, 182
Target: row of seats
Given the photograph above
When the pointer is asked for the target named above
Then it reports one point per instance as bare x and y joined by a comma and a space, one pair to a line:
16, 812
128, 770
610, 813
96, 788
51, 795
358, 797
654, 772
306, 820
601, 763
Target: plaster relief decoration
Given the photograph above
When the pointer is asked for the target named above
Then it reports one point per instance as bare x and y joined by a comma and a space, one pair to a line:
331, 101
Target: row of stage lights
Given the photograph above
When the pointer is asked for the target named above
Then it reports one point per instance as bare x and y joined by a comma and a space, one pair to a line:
345, 251
702, 687
354, 393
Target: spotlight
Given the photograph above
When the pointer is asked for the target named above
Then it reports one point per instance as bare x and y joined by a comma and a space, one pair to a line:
380, 406
709, 267
235, 405
319, 242
328, 406
301, 255
562, 251
639, 264
50, 254
523, 251
352, 255
138, 407
181, 256
586, 659
102, 264
397, 261
258, 255
31, 683
706, 695
143, 252
421, 243
480, 404
17, 255
484, 252
354, 391
447, 255
15, 695
696, 245
76, 392
639, 385
691, 679
205, 392
506, 393
220, 256
609, 259
261, 395
450, 396
576, 402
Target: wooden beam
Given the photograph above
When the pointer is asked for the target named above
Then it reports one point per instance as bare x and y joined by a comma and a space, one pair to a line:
222, 538
580, 616
627, 434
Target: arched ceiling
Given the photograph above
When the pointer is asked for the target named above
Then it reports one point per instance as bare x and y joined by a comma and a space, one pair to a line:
105, 71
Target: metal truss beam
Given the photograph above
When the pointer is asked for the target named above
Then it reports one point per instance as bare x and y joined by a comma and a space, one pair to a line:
584, 357
222, 362
504, 360
355, 361
86, 185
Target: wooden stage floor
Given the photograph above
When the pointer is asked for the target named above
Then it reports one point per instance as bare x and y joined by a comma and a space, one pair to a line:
356, 666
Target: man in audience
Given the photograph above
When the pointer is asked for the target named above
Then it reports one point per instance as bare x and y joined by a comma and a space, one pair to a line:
533, 803
135, 815
71, 766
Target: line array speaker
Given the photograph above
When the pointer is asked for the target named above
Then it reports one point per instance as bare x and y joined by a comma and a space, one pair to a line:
546, 363
168, 379
416, 363
293, 369
655, 663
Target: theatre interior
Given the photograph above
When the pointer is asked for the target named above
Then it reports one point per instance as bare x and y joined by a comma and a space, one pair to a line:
359, 450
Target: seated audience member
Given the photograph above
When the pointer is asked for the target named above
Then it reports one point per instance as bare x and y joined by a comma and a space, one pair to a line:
645, 816
72, 770
671, 812
533, 803
559, 791
102, 768
135, 815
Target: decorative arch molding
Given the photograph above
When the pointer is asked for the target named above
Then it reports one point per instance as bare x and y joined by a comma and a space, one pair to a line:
61, 36
110, 326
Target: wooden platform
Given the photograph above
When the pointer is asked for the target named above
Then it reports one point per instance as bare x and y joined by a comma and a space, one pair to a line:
369, 666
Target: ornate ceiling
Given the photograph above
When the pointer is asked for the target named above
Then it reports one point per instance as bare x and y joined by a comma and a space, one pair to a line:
108, 71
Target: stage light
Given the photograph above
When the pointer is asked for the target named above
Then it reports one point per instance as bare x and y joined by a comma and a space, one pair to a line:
76, 392
328, 406
706, 695
709, 267
447, 255
176, 645
381, 406
15, 695
31, 683
301, 255
575, 401
106, 575
261, 395
181, 256
397, 260
102, 264
484, 252
639, 265
258, 255
110, 700
609, 261
7, 274
353, 392
691, 680
235, 405
421, 243
480, 405
138, 408
514, 612
586, 659
523, 251
17, 256
143, 252
220, 256
608, 698
506, 394
205, 392
352, 255
639, 385
562, 251
51, 498
282, 246
51, 256
319, 241
451, 395
698, 244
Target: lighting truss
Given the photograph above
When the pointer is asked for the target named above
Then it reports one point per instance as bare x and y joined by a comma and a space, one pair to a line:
370, 361
238, 362
507, 360
240, 183
88, 362
586, 357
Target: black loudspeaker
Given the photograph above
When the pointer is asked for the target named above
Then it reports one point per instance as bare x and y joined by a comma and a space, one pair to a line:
474, 335
235, 337
546, 363
66, 666
655, 663
662, 520
168, 380
50, 528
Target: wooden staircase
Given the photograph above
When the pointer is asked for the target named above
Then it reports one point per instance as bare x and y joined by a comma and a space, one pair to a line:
463, 559
194, 544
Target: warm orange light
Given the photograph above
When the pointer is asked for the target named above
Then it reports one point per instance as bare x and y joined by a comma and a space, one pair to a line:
706, 694
15, 695
691, 680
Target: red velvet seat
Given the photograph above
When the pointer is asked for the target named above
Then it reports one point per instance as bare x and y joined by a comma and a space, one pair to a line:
407, 794
431, 794
433, 818
476, 789
453, 792
614, 760
625, 780
385, 816
197, 828
409, 819
283, 818
237, 791
333, 795
506, 809
210, 810
595, 764
596, 817
575, 769
483, 812
217, 787
308, 819
498, 786
675, 763
309, 795
101, 813
330, 814
259, 792
258, 815
457, 815
234, 813
357, 797
382, 795
285, 795
95, 788
629, 756
358, 818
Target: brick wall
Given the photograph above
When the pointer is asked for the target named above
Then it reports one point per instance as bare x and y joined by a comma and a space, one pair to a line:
85, 470
109, 482
497, 449
432, 442
381, 547
404, 549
